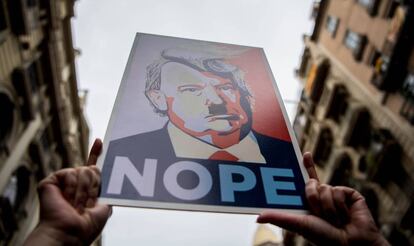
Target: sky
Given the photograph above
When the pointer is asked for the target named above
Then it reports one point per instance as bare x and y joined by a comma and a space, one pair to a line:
104, 31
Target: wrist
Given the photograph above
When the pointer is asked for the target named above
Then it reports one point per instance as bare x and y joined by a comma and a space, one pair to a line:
44, 234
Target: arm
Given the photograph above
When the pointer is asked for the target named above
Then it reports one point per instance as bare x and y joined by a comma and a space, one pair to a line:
69, 213
339, 215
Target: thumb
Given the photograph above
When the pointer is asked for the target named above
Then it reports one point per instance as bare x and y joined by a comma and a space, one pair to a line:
99, 215
50, 197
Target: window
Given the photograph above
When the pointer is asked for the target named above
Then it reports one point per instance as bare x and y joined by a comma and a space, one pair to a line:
11, 201
3, 21
25, 16
8, 223
339, 103
45, 141
343, 171
370, 5
31, 3
352, 40
371, 198
407, 221
26, 81
392, 7
374, 58
300, 123
383, 157
7, 116
356, 43
18, 187
323, 147
316, 80
407, 109
360, 125
33, 77
305, 64
332, 25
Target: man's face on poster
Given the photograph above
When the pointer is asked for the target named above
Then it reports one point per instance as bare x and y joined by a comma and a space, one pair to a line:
200, 103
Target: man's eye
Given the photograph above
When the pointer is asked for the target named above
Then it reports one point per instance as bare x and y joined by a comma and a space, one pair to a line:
190, 89
226, 87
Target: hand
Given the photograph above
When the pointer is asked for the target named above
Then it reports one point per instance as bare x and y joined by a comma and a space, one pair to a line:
339, 215
69, 213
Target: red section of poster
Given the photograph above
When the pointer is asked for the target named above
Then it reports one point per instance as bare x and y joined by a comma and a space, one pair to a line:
267, 114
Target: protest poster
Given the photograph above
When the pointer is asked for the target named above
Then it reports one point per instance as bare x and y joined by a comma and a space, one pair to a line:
200, 126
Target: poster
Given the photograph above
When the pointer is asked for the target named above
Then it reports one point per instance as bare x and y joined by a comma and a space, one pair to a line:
200, 126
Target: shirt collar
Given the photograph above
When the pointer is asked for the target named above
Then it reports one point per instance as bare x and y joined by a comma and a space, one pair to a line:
247, 150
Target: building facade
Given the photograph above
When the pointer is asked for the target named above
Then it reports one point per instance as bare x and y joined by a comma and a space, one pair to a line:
42, 127
356, 113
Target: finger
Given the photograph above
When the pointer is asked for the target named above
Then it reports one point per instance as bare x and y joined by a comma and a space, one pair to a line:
356, 204
65, 180
85, 182
327, 204
311, 227
340, 204
352, 196
51, 179
310, 165
95, 152
68, 180
93, 191
312, 196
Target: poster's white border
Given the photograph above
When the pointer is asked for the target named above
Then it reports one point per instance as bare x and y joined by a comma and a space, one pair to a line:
194, 207
184, 206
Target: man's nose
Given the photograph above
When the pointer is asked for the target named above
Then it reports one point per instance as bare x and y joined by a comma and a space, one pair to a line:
212, 96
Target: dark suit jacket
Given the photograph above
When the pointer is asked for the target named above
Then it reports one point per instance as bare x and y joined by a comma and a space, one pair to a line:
157, 145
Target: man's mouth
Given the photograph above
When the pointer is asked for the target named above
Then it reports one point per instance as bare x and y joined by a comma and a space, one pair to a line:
222, 117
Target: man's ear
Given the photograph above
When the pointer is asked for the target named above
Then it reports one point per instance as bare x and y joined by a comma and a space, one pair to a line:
158, 99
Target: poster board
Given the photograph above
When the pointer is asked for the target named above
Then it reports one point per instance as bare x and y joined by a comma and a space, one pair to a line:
200, 126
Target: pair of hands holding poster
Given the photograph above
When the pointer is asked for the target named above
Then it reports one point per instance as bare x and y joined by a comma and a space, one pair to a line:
70, 215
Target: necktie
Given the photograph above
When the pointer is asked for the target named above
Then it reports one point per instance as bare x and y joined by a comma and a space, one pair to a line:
223, 155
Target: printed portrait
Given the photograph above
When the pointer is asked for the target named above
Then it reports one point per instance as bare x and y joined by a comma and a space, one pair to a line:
187, 101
